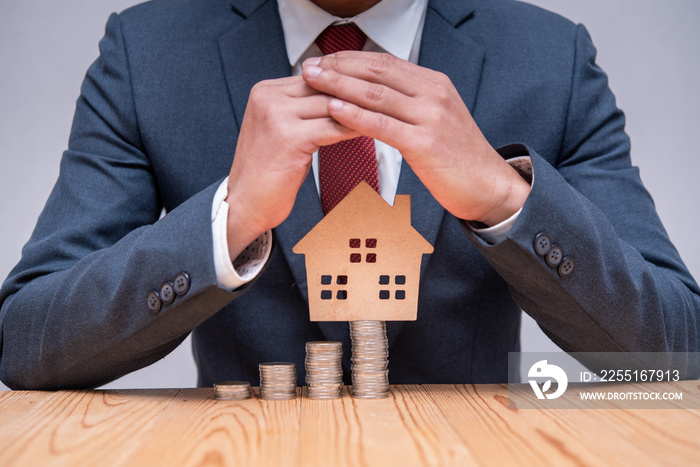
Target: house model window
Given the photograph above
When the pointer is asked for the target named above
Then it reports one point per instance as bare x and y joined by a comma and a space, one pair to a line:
363, 260
399, 292
341, 293
370, 244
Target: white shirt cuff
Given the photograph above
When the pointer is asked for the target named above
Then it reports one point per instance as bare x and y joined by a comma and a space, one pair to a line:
497, 233
250, 262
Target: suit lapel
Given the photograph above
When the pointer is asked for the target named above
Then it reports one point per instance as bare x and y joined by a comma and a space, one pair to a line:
444, 48
447, 49
252, 51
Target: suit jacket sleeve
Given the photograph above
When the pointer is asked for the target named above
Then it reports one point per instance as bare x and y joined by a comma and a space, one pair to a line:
74, 310
629, 290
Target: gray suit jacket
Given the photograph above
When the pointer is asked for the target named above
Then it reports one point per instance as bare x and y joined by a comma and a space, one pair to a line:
156, 126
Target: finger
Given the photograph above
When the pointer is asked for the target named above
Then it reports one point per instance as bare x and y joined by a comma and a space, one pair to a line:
369, 95
327, 131
310, 107
273, 104
381, 68
307, 134
314, 133
373, 124
291, 86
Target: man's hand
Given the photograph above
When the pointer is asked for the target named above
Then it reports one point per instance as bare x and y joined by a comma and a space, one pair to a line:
419, 112
285, 122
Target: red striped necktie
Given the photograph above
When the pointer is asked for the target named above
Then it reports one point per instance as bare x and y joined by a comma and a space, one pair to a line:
343, 165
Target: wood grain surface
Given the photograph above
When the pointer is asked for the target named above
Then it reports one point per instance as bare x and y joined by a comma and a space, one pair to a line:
440, 425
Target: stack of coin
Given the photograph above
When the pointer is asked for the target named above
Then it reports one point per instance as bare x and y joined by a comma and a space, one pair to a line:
324, 370
278, 381
370, 359
232, 391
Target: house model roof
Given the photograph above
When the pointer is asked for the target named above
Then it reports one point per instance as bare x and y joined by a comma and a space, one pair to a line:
363, 260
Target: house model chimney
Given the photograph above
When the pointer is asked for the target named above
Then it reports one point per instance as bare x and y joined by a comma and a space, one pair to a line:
363, 260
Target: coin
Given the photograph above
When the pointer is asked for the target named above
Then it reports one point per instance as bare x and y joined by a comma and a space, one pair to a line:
370, 360
324, 370
232, 390
278, 381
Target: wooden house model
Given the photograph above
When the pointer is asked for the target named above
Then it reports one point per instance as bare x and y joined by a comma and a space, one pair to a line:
363, 260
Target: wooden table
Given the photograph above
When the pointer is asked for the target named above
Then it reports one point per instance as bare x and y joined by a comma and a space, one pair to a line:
418, 425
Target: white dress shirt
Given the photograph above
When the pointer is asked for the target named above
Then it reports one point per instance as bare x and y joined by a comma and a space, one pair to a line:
391, 26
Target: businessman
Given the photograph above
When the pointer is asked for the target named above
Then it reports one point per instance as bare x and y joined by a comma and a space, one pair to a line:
492, 114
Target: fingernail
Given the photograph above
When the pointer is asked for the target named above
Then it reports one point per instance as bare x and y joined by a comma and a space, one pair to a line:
336, 104
313, 61
313, 71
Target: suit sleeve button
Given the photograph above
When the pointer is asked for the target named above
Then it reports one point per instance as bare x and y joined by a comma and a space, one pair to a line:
567, 266
554, 256
153, 301
181, 283
543, 243
167, 293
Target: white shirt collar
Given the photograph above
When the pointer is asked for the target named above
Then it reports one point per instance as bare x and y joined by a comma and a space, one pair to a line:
391, 24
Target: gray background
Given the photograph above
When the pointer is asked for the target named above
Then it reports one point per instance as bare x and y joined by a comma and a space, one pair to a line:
650, 49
